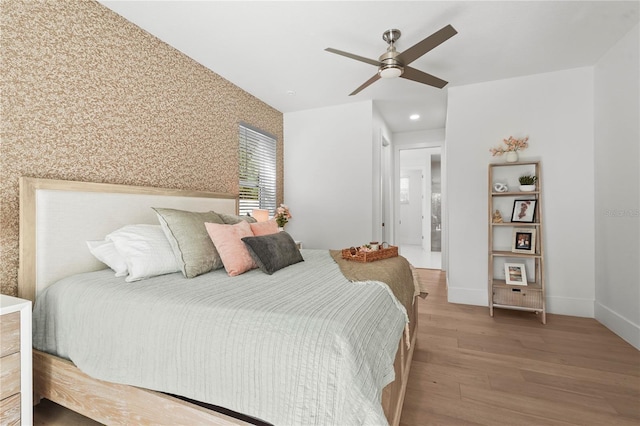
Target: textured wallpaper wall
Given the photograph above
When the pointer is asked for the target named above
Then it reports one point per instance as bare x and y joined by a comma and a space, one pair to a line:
88, 96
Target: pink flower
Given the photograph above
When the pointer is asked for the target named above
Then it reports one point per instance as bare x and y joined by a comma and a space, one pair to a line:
512, 144
282, 215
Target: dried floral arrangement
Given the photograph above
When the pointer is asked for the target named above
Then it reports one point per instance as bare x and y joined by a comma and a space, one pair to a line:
511, 144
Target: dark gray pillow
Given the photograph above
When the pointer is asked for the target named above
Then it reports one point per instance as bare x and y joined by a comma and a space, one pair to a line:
273, 252
191, 244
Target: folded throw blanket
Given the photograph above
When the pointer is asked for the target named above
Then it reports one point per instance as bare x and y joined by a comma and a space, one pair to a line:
396, 272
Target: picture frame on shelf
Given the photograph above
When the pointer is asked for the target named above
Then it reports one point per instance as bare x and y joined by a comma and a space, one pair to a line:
524, 211
523, 240
515, 274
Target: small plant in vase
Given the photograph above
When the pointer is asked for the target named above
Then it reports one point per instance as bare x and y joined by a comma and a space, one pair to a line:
527, 183
282, 216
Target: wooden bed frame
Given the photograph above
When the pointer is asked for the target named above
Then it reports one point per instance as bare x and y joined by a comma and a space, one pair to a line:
61, 381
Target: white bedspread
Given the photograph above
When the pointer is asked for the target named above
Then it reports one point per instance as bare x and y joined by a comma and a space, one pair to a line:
300, 347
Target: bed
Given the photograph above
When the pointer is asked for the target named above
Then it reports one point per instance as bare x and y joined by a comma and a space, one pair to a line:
56, 220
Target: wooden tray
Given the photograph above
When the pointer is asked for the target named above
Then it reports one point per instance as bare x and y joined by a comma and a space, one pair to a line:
370, 256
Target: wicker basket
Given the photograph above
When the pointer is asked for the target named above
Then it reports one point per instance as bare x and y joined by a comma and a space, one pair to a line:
370, 256
520, 296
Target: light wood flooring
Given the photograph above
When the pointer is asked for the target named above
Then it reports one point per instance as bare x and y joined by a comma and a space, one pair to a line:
471, 369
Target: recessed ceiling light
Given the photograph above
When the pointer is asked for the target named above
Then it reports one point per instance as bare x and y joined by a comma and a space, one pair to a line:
414, 117
291, 92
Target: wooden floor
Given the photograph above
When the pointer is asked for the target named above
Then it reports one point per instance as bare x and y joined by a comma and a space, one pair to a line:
471, 369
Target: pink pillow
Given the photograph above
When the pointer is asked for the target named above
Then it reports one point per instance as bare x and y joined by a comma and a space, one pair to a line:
233, 252
264, 228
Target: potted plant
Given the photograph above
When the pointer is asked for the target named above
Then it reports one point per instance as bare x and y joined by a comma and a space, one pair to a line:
527, 183
282, 216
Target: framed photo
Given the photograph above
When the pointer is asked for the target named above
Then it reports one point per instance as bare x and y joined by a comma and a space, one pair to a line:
523, 240
524, 211
515, 274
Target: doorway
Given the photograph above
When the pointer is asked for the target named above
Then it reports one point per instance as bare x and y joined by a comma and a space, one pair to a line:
419, 206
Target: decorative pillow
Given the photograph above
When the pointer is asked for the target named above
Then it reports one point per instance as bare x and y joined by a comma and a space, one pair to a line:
234, 254
232, 219
105, 252
145, 250
192, 247
273, 252
264, 228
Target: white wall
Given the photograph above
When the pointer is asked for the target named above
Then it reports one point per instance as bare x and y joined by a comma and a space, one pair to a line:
411, 212
380, 130
617, 189
556, 111
328, 175
422, 138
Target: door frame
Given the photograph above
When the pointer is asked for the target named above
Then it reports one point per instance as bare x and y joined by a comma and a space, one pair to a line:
396, 190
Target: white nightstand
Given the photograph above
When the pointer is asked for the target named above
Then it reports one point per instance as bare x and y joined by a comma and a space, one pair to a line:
16, 406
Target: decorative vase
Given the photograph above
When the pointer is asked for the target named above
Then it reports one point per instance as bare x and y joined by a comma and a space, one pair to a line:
280, 228
527, 188
512, 156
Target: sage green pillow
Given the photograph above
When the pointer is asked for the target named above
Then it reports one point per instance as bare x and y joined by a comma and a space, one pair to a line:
232, 219
192, 247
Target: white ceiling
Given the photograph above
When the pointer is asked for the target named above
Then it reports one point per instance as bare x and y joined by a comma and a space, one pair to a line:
271, 49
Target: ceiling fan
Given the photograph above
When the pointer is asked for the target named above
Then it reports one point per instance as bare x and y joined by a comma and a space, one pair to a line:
393, 64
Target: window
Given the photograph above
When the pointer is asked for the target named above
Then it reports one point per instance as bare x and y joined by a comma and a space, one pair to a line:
257, 171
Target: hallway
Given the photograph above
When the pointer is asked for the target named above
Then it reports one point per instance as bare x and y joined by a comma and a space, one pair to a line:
419, 257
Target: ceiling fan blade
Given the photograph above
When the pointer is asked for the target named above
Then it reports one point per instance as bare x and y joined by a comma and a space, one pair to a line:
352, 56
420, 48
422, 77
369, 82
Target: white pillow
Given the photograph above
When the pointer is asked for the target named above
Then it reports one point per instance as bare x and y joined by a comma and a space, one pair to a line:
145, 249
105, 252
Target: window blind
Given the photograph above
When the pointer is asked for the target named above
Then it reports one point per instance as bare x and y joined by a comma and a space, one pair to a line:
257, 169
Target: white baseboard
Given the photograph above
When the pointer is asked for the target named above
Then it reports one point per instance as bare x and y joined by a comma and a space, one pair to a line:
620, 325
467, 296
555, 305
570, 306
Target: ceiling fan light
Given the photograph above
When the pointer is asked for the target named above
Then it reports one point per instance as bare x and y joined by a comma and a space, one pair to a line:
390, 72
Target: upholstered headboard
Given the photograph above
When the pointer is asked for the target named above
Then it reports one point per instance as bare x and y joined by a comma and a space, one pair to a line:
57, 217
